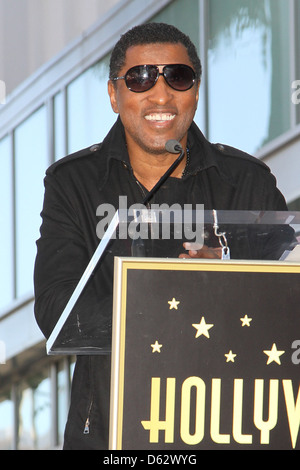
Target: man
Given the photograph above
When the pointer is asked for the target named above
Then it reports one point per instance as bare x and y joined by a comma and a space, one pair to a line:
154, 87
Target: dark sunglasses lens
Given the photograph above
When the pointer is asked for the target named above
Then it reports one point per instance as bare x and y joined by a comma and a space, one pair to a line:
180, 77
141, 78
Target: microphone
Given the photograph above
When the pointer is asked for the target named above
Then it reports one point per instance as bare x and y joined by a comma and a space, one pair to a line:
173, 146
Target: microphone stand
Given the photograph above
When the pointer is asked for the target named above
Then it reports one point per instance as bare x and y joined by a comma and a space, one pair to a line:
166, 175
137, 245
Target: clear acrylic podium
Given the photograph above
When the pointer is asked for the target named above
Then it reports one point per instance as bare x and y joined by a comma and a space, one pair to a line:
251, 235
205, 353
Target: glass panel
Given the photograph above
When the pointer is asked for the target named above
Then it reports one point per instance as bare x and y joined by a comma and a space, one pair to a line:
160, 233
35, 415
6, 224
42, 414
187, 20
59, 127
26, 432
63, 382
294, 205
6, 424
248, 72
31, 163
89, 111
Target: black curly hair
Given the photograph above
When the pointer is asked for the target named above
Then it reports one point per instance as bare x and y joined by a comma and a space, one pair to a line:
151, 33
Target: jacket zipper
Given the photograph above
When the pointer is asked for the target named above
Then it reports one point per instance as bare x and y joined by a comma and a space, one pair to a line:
87, 422
86, 429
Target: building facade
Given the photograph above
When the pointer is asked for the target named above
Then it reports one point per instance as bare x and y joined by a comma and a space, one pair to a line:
54, 101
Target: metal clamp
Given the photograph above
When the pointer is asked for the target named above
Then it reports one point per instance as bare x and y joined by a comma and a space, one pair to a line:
221, 236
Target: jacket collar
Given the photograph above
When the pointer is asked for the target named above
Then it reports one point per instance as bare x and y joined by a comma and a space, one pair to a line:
114, 144
203, 154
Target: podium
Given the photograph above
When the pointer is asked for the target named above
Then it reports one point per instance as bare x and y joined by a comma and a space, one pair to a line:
205, 353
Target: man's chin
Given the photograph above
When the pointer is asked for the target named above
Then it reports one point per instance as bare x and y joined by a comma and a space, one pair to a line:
158, 148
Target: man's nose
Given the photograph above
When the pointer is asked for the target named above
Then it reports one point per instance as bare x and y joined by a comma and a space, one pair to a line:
161, 93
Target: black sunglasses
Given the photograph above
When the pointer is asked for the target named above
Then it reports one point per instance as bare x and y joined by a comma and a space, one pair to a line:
142, 78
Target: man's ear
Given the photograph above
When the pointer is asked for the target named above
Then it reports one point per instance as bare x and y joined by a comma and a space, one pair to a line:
197, 92
113, 96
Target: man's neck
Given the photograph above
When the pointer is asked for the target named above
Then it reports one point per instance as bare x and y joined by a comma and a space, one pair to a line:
149, 168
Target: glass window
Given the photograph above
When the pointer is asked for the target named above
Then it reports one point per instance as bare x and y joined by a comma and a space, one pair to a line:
248, 72
30, 164
6, 224
26, 430
59, 145
187, 20
6, 424
35, 415
89, 111
294, 205
63, 385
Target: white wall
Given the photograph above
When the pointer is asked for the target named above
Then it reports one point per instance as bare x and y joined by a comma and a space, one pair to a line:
33, 31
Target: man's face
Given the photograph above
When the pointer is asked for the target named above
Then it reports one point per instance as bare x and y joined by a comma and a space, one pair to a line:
153, 117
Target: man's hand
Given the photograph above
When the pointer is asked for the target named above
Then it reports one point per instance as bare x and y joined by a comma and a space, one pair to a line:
200, 251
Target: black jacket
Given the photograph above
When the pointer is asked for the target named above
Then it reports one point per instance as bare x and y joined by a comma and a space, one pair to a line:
218, 176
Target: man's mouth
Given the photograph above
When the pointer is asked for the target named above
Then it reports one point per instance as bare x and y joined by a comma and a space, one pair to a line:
159, 117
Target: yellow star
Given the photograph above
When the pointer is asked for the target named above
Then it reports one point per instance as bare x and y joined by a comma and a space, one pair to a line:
274, 355
246, 321
202, 328
173, 303
156, 347
230, 356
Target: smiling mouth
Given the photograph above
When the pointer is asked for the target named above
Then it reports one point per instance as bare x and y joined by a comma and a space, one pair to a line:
160, 117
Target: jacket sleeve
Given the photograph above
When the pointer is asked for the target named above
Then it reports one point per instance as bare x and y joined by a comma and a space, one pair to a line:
62, 255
